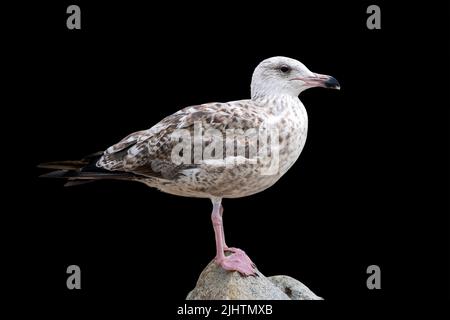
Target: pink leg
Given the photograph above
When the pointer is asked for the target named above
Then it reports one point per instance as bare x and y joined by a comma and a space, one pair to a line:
237, 260
225, 247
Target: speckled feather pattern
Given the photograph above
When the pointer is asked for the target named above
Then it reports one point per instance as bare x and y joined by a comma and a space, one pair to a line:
147, 154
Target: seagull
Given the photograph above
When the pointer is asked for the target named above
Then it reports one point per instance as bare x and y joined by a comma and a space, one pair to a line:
162, 157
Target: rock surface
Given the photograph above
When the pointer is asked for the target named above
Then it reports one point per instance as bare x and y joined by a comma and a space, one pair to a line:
216, 283
294, 288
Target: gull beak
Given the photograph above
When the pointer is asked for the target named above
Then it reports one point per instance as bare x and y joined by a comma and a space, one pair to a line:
332, 83
320, 80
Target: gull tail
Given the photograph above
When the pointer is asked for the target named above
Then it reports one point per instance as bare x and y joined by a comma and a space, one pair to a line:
63, 165
82, 171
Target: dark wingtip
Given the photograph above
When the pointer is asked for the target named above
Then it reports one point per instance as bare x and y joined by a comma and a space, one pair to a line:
55, 174
62, 165
73, 183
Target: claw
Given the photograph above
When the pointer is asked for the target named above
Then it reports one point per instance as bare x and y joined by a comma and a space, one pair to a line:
237, 261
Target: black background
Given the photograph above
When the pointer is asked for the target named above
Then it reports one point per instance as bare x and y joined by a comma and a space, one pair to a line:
371, 186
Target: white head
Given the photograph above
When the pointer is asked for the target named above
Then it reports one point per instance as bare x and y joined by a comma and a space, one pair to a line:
286, 76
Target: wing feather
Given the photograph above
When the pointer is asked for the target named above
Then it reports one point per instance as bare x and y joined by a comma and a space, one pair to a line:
148, 152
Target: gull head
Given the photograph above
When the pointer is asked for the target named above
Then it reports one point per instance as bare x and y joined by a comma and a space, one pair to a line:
286, 76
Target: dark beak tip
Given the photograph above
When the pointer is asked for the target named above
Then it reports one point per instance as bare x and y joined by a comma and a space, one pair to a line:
332, 83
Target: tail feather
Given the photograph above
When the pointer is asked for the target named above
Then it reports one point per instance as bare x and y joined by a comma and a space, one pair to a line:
73, 183
57, 174
63, 165
82, 171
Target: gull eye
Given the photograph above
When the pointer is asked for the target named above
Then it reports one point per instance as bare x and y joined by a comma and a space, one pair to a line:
285, 69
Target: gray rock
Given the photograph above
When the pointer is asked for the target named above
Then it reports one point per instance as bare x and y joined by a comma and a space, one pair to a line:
216, 283
294, 289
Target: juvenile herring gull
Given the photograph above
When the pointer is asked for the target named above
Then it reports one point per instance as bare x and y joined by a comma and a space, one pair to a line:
154, 156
